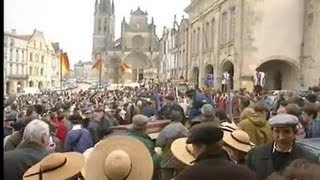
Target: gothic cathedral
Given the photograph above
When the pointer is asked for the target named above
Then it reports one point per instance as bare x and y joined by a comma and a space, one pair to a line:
138, 46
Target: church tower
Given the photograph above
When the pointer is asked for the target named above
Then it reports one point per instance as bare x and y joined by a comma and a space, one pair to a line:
104, 28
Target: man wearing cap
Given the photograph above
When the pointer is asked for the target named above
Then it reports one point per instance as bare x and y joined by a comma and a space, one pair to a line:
211, 161
139, 131
207, 117
198, 100
170, 106
169, 164
275, 156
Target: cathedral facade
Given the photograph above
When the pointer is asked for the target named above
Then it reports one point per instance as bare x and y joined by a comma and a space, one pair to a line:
138, 46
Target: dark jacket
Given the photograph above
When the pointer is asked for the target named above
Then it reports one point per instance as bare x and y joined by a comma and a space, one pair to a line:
217, 167
19, 160
13, 141
261, 159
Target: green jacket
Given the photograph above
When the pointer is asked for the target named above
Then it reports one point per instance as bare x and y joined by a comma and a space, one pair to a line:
150, 144
258, 129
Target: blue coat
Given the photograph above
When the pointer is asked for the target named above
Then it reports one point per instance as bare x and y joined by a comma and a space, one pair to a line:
78, 140
199, 100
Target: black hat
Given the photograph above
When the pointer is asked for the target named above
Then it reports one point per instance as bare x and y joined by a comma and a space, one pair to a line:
204, 134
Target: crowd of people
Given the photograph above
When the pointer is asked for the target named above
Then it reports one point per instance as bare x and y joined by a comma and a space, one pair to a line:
104, 134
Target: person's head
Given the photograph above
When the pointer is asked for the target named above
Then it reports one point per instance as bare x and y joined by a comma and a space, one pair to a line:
61, 117
284, 129
208, 111
75, 119
190, 93
246, 113
309, 113
311, 98
300, 169
237, 143
97, 115
261, 109
205, 139
221, 115
139, 122
176, 116
293, 109
30, 111
245, 103
37, 131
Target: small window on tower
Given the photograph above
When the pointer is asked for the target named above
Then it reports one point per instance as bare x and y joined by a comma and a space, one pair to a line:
105, 28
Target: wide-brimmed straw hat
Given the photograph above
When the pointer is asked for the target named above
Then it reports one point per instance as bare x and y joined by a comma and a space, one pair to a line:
86, 155
182, 151
56, 166
238, 139
119, 157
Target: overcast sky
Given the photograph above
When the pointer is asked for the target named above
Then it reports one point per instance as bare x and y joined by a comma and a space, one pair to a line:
70, 22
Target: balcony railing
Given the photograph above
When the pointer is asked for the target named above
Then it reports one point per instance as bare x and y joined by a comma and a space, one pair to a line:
18, 76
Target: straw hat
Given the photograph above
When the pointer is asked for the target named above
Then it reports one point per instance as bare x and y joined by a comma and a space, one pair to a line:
56, 166
182, 151
238, 139
119, 157
86, 156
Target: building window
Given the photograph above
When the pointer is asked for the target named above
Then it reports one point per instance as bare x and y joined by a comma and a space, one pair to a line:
193, 41
40, 45
99, 25
31, 57
37, 57
34, 44
11, 69
232, 23
206, 34
10, 55
41, 72
17, 55
22, 56
30, 70
213, 31
224, 30
42, 59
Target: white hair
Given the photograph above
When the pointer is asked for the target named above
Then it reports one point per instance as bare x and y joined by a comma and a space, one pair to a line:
35, 131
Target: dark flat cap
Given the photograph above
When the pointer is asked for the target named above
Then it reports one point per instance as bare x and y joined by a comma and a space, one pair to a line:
283, 120
204, 134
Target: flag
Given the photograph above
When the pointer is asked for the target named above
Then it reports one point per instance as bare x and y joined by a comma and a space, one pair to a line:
125, 68
97, 65
64, 64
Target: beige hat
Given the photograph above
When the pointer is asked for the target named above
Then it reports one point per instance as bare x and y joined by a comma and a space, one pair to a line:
238, 139
119, 157
86, 156
182, 151
56, 166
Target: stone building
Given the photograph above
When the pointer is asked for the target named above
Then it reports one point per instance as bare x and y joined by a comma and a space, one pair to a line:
83, 70
15, 62
173, 51
138, 45
29, 61
280, 38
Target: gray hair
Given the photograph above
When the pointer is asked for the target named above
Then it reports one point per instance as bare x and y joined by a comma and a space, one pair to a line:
35, 130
